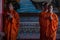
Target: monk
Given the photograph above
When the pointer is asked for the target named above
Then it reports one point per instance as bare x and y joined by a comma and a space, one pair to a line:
52, 24
11, 23
42, 21
48, 25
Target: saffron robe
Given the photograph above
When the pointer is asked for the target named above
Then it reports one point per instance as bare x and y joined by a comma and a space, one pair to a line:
48, 26
11, 25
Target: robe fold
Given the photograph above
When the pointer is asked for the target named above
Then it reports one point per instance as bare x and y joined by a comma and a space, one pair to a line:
11, 25
48, 26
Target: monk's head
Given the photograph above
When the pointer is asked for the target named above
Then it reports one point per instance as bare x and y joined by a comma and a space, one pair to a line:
10, 6
50, 8
45, 6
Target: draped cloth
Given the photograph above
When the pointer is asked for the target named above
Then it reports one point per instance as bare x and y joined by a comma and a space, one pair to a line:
48, 26
11, 24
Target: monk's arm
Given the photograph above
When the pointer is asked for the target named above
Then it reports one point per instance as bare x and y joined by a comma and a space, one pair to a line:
18, 20
55, 24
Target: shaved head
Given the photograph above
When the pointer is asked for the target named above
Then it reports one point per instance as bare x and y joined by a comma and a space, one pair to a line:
50, 8
45, 6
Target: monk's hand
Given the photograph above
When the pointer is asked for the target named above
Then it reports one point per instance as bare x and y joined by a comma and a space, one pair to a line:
10, 17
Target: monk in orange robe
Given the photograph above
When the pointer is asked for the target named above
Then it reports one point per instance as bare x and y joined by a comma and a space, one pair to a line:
52, 24
48, 25
42, 21
11, 23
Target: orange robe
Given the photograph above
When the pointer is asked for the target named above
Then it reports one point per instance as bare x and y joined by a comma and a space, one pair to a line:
48, 27
11, 25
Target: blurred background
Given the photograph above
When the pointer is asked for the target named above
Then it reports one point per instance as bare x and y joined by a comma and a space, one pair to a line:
29, 16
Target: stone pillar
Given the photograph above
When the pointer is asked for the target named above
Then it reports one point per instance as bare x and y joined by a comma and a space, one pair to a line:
0, 15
